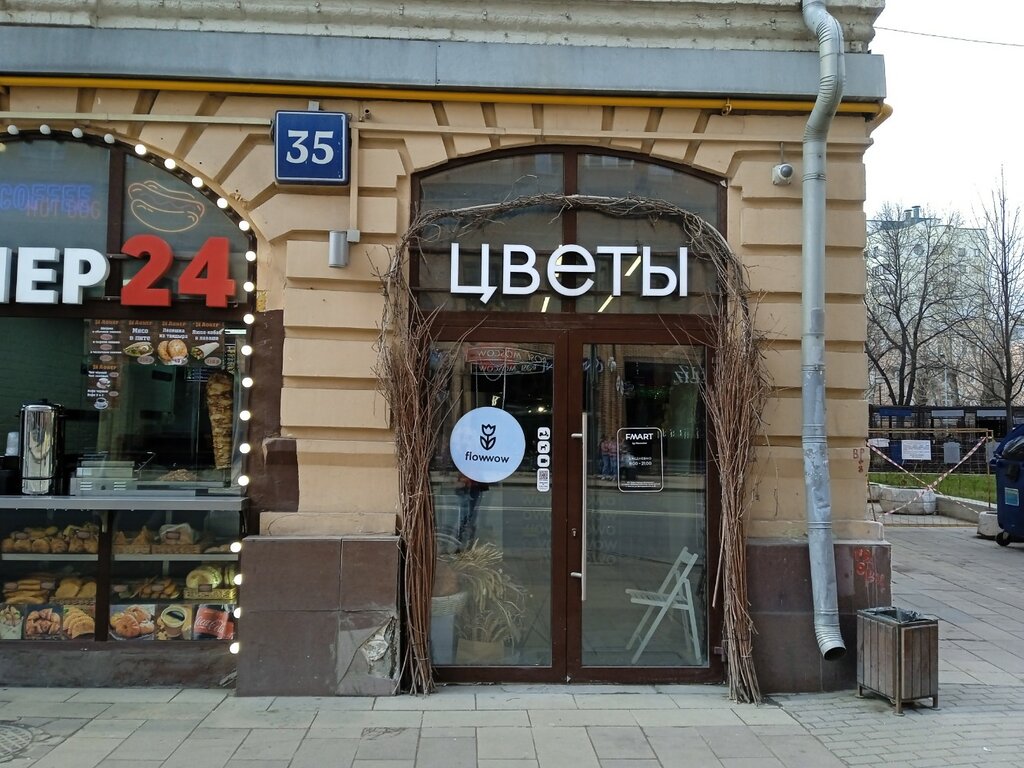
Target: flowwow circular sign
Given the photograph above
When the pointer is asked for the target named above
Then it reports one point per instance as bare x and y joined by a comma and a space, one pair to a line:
487, 445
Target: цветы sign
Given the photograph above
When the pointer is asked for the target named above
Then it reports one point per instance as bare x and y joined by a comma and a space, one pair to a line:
521, 276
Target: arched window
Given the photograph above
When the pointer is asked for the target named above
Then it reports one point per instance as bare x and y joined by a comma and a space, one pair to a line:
543, 227
121, 299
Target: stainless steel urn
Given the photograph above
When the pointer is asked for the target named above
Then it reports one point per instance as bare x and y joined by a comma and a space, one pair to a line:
42, 448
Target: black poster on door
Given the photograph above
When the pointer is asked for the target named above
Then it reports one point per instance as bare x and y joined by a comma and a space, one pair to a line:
641, 469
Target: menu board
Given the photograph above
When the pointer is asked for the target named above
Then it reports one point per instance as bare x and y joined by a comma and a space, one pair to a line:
103, 369
155, 342
105, 339
113, 344
102, 384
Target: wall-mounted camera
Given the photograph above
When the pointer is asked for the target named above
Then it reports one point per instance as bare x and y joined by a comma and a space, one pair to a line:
782, 174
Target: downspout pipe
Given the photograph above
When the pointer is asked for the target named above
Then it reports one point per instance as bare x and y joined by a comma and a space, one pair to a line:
818, 497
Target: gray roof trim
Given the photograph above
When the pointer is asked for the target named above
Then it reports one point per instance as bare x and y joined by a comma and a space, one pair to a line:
342, 61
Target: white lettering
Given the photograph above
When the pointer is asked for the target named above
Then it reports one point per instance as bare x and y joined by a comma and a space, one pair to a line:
616, 252
684, 285
639, 435
556, 267
83, 268
650, 270
6, 262
30, 275
521, 275
485, 289
526, 268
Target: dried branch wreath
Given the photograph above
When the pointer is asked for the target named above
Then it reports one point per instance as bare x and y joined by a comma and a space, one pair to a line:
414, 388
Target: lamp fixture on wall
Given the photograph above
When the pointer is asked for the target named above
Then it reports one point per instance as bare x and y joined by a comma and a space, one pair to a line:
337, 246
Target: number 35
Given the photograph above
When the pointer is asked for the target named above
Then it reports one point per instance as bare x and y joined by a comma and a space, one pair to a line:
322, 153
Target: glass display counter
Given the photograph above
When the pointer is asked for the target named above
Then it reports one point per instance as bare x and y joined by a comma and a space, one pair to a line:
119, 569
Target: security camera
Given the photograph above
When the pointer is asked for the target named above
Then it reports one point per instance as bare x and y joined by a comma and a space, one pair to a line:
782, 174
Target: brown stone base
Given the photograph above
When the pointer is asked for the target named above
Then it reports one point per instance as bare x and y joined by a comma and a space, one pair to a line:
319, 616
785, 649
194, 664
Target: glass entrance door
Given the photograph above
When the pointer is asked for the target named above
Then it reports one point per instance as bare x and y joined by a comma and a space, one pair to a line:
586, 557
638, 535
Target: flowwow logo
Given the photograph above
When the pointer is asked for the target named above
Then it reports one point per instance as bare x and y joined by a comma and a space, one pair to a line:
487, 445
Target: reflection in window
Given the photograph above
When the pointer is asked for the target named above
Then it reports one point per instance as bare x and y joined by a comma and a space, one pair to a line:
53, 193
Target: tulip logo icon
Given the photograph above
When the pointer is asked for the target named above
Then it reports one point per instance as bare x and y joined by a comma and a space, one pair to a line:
487, 438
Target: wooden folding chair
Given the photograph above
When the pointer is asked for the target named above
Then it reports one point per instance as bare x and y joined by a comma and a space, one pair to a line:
674, 592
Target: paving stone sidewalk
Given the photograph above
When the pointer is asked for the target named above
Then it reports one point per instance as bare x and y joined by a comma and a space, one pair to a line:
970, 584
461, 726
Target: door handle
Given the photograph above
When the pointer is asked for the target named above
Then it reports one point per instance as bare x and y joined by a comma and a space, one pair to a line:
581, 574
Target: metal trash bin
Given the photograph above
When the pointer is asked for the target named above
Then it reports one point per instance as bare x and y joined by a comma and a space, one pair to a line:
898, 655
1007, 463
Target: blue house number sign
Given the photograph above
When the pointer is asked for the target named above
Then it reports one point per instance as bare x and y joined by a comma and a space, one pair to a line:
311, 148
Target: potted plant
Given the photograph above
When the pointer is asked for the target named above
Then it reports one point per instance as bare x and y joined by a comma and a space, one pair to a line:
491, 620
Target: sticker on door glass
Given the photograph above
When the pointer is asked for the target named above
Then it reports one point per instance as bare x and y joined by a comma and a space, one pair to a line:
487, 445
543, 459
641, 468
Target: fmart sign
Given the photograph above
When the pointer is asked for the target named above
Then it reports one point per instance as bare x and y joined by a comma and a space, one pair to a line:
569, 271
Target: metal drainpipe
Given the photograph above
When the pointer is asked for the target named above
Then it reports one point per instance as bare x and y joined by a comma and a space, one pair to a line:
831, 69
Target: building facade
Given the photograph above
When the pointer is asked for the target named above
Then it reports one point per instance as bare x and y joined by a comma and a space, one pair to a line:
449, 108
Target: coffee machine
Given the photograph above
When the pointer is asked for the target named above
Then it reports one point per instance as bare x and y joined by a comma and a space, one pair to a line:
42, 448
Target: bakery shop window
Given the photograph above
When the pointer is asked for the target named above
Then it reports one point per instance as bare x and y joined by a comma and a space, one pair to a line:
124, 294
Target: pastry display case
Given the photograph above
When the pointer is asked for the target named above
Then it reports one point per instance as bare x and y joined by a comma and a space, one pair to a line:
119, 569
173, 575
49, 570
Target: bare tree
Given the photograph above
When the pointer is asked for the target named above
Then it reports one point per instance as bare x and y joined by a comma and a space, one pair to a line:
911, 301
992, 324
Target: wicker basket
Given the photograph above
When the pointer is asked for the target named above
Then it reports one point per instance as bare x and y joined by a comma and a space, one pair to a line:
225, 595
446, 605
131, 549
177, 549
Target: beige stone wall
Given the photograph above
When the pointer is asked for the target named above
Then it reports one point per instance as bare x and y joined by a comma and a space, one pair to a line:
330, 405
720, 24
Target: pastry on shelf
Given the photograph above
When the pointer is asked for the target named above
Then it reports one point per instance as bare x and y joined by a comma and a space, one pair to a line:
58, 545
204, 576
144, 537
40, 546
78, 623
43, 623
68, 587
178, 533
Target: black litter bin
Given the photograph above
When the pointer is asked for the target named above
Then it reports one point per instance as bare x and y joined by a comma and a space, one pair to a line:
1008, 465
898, 655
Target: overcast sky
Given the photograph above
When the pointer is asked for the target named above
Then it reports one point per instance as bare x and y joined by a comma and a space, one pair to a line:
958, 106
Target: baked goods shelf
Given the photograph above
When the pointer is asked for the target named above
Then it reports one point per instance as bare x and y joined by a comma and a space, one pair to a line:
174, 558
42, 556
